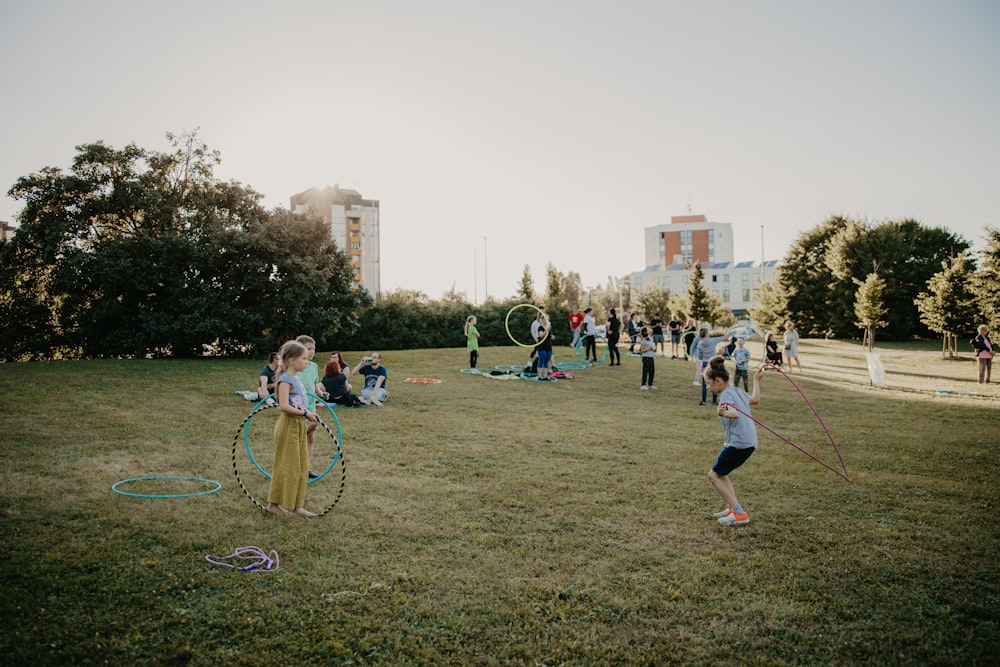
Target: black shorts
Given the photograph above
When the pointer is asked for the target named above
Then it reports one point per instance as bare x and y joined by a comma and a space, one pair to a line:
730, 459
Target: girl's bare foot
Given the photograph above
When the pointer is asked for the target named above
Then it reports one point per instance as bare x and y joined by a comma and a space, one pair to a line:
302, 511
278, 510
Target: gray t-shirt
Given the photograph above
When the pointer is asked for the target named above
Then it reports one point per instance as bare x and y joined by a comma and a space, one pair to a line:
741, 433
703, 349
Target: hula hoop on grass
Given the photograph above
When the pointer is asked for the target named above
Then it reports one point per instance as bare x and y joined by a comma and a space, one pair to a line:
114, 487
422, 380
339, 438
533, 377
337, 456
571, 365
469, 371
509, 368
506, 323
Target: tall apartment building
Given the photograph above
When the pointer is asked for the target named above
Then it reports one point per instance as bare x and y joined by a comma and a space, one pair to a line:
7, 231
354, 224
671, 251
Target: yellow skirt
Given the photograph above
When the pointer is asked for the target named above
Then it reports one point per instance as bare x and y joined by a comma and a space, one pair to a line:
291, 463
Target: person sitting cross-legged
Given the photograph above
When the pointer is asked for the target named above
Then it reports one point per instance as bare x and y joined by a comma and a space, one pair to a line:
375, 375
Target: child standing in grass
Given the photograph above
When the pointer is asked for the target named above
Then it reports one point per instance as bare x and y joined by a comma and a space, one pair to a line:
741, 356
741, 436
287, 494
647, 350
313, 385
472, 340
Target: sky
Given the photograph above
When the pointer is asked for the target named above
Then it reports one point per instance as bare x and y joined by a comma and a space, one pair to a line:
500, 134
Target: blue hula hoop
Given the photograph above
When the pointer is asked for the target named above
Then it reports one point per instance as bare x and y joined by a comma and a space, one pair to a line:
260, 406
114, 487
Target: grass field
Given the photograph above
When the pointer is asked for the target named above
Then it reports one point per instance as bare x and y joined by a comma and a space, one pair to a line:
489, 522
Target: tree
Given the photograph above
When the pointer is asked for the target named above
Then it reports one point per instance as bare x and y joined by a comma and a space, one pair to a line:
803, 283
573, 288
654, 299
986, 282
526, 286
698, 298
554, 296
907, 255
770, 310
949, 304
136, 252
869, 307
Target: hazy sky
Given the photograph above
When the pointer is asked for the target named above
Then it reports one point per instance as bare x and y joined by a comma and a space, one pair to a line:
558, 130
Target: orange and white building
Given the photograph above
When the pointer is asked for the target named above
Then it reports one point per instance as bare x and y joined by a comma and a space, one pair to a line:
354, 224
671, 251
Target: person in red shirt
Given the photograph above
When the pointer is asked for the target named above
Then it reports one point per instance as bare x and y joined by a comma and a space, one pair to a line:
575, 322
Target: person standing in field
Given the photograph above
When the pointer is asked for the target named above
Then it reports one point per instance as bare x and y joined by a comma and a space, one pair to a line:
314, 387
791, 345
575, 322
657, 324
674, 328
614, 332
647, 350
544, 347
286, 495
632, 329
589, 336
741, 437
984, 353
472, 340
741, 357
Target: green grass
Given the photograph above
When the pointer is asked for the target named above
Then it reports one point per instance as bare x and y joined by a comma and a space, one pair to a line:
489, 522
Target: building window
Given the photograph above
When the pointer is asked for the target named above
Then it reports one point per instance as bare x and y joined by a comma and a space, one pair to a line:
746, 295
725, 296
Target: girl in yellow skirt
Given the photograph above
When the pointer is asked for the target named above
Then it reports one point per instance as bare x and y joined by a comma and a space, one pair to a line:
290, 473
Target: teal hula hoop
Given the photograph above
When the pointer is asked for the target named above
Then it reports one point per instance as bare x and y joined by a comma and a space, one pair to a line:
261, 405
114, 487
571, 365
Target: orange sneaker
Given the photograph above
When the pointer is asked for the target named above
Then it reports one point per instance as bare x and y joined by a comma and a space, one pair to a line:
734, 519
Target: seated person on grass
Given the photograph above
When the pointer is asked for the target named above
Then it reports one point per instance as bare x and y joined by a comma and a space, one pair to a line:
336, 384
265, 381
375, 375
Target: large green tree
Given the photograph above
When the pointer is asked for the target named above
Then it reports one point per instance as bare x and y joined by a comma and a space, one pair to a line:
906, 254
986, 282
948, 306
803, 281
137, 252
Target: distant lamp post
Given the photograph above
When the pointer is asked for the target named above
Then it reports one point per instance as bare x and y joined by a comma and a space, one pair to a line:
486, 280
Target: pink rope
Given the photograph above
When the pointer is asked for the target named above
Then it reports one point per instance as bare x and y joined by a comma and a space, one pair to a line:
826, 465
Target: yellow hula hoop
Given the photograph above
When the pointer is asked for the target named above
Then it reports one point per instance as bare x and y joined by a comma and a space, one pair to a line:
506, 322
